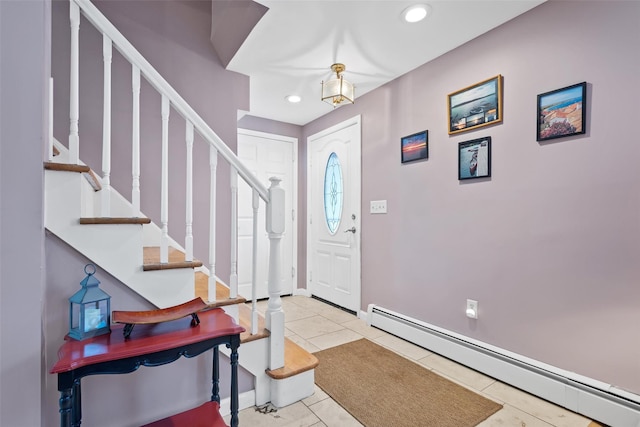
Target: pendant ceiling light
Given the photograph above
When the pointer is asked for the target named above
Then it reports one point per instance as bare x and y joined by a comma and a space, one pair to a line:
338, 90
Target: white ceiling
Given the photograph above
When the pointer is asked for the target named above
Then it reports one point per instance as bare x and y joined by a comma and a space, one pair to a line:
292, 47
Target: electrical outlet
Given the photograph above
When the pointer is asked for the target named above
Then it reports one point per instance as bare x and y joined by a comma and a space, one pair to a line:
378, 207
472, 309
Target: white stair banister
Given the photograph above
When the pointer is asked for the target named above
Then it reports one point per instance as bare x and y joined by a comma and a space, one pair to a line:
106, 128
164, 197
213, 166
135, 142
254, 262
275, 225
74, 85
188, 240
233, 278
50, 142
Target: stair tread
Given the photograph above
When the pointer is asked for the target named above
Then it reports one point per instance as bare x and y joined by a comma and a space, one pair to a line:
114, 220
296, 361
222, 292
151, 259
245, 322
67, 167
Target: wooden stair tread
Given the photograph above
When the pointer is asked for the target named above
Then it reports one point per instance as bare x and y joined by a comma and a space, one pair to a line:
151, 259
245, 321
205, 415
115, 220
222, 292
296, 361
52, 166
159, 315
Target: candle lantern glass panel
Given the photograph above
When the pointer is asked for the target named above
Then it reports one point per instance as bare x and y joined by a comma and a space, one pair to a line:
89, 308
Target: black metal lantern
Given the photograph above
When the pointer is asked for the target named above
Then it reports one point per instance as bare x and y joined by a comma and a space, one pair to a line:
89, 308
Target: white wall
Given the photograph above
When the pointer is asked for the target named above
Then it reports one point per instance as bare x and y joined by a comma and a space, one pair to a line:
549, 244
24, 64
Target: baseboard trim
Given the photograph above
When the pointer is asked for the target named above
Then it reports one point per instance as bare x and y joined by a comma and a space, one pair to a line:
245, 400
586, 396
302, 291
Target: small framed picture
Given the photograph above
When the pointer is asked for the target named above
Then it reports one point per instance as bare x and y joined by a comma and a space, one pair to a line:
414, 147
562, 112
474, 158
475, 106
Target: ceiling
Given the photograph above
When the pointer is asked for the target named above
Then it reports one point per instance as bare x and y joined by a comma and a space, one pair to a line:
292, 47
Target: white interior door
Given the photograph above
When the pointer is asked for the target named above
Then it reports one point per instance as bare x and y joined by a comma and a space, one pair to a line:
333, 210
266, 155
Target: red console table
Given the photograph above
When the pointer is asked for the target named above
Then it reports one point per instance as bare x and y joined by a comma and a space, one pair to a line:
150, 345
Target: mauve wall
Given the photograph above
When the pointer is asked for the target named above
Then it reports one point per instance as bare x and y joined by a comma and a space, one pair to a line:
174, 37
548, 245
24, 55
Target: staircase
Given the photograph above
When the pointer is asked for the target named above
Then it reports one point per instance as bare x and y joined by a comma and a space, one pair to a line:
82, 209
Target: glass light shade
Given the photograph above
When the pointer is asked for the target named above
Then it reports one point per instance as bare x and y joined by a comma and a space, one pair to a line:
337, 90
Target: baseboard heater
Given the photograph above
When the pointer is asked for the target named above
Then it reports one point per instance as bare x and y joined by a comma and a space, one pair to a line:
591, 398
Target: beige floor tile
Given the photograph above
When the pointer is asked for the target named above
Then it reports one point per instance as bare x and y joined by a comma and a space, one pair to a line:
334, 415
336, 315
295, 415
403, 347
320, 424
293, 311
335, 338
509, 416
361, 327
316, 397
539, 408
308, 303
460, 373
303, 343
313, 326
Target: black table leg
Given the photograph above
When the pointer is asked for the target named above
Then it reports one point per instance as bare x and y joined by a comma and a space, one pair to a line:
233, 345
215, 376
66, 407
77, 404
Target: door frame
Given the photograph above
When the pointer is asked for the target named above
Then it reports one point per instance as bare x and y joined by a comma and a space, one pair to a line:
356, 120
294, 201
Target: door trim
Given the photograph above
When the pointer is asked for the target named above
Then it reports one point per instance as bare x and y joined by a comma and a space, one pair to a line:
356, 120
294, 185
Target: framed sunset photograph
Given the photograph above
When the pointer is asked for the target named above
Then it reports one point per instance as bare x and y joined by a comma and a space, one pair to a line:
414, 147
561, 112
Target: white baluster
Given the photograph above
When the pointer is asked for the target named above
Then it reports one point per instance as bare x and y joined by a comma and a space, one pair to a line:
50, 143
213, 165
275, 225
188, 240
233, 278
135, 143
74, 84
254, 264
164, 197
106, 128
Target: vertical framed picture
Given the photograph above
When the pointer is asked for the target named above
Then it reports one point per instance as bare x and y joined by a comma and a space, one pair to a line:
561, 112
414, 147
475, 106
474, 158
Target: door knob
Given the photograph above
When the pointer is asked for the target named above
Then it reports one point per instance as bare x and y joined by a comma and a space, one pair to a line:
350, 230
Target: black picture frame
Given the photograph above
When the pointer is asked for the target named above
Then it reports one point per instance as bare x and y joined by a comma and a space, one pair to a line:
475, 106
414, 147
562, 112
474, 158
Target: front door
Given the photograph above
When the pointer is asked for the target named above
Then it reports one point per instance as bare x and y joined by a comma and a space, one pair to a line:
333, 214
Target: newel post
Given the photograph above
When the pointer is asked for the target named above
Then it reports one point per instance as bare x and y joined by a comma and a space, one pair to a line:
275, 223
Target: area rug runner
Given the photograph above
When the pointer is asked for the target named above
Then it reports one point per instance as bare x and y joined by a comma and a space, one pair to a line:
382, 389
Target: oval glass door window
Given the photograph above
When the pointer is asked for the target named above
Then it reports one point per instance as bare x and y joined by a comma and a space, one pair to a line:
333, 193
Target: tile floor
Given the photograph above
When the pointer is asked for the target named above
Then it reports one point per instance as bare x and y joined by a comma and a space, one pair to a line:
316, 326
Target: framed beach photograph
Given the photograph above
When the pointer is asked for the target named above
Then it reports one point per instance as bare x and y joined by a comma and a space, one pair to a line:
562, 112
474, 158
475, 106
414, 147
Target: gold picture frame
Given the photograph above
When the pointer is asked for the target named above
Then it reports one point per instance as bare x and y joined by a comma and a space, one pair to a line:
475, 106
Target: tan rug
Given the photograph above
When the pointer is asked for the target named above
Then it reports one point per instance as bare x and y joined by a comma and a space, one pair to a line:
383, 389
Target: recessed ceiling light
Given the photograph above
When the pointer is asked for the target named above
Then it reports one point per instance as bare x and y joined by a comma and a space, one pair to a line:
415, 13
294, 99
